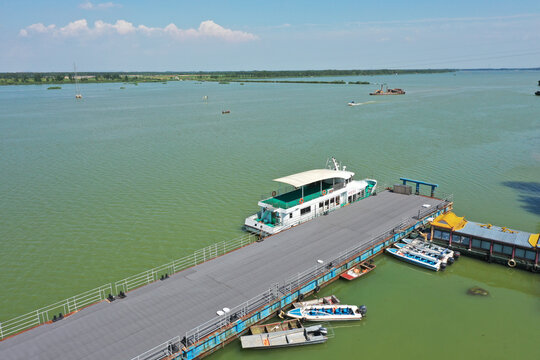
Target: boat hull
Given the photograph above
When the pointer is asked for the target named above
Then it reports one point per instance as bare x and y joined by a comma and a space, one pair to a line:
400, 255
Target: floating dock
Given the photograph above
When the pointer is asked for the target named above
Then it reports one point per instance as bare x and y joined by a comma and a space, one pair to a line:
486, 241
176, 318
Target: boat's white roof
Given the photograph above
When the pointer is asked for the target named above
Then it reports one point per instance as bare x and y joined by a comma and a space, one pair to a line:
311, 176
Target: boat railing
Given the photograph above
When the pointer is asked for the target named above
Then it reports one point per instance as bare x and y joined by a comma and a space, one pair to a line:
65, 307
54, 311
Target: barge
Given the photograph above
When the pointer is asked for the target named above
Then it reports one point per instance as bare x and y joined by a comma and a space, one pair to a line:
314, 193
388, 91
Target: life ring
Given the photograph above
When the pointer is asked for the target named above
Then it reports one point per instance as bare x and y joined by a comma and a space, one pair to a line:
512, 263
317, 289
324, 192
274, 193
301, 200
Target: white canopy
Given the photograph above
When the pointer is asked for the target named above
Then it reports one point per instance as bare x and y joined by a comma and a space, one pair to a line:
311, 176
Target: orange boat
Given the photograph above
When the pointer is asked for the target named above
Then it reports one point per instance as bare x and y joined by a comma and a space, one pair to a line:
358, 271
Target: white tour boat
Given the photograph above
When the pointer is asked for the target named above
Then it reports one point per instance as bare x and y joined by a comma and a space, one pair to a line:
313, 193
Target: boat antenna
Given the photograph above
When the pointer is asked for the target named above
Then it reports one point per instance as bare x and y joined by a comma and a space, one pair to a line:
336, 165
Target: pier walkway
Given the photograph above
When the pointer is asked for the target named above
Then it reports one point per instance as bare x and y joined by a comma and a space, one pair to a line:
163, 310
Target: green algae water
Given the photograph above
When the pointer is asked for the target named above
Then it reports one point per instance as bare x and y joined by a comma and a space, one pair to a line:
121, 181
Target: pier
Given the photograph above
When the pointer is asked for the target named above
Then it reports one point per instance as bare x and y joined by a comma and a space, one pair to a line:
177, 318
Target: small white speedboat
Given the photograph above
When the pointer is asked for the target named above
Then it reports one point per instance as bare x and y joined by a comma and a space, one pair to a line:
446, 255
416, 258
329, 312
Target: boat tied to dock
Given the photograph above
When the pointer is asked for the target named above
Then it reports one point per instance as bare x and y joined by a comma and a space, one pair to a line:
283, 334
328, 313
314, 193
315, 334
358, 271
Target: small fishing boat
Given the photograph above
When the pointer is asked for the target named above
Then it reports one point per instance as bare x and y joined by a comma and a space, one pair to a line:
328, 313
327, 300
315, 334
352, 103
358, 271
276, 326
446, 255
416, 258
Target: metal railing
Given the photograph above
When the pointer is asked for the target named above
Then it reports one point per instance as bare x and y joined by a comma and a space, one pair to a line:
77, 302
54, 311
289, 286
162, 350
172, 267
236, 313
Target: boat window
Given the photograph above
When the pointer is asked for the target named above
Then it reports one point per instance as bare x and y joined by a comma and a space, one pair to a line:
327, 203
445, 235
350, 198
507, 250
331, 200
497, 248
465, 240
305, 210
290, 216
520, 253
437, 234
476, 243
321, 204
486, 245
530, 255
456, 239
337, 200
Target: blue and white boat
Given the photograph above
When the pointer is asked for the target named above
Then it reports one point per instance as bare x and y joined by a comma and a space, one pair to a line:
415, 258
329, 313
446, 255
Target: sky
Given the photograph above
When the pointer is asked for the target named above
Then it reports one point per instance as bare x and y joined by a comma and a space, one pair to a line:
209, 35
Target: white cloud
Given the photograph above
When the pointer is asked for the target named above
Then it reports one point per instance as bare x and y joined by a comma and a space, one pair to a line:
90, 6
207, 29
36, 28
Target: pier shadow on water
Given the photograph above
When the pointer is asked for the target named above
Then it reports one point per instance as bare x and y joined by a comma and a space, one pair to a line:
529, 194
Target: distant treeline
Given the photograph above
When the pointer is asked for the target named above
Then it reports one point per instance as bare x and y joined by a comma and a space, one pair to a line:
262, 74
146, 76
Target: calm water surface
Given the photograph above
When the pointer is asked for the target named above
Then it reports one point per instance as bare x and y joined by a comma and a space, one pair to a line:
124, 180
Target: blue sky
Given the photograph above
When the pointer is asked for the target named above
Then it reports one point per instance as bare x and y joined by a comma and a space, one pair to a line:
196, 35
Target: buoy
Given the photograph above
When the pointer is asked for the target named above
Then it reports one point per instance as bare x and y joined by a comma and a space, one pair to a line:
512, 263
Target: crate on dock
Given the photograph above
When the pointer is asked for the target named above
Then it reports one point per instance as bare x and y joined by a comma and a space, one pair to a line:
402, 189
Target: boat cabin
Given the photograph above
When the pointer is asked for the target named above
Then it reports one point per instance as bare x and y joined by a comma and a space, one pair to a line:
310, 194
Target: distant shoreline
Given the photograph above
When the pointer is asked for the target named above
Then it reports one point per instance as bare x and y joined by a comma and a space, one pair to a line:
47, 78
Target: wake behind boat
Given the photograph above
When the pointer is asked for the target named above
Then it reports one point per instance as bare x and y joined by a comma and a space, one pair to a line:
328, 313
315, 192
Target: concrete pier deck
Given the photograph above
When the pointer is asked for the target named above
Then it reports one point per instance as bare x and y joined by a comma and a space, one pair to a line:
162, 310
